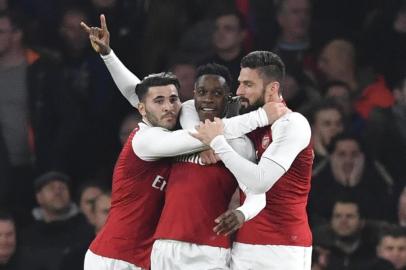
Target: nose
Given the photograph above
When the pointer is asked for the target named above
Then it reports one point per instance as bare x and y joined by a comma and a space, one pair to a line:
240, 90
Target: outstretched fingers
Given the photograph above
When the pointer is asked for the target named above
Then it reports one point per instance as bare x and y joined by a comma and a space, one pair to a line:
103, 23
85, 27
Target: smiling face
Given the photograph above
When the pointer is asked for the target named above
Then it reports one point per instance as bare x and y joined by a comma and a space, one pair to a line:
161, 106
210, 96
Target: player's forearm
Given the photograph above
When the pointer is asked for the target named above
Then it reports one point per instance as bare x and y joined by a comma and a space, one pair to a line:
252, 205
123, 78
240, 125
258, 178
157, 143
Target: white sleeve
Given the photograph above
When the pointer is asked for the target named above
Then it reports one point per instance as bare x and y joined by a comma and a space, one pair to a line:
240, 125
123, 78
252, 205
290, 135
189, 118
153, 143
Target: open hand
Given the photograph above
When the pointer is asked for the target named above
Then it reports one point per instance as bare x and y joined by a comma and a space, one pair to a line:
99, 37
208, 130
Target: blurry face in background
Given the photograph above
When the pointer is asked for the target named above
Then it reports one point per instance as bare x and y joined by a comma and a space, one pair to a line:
6, 36
161, 106
186, 75
71, 32
327, 124
393, 250
87, 200
294, 18
345, 219
101, 210
400, 21
210, 96
341, 95
54, 197
291, 88
400, 94
7, 240
103, 3
227, 34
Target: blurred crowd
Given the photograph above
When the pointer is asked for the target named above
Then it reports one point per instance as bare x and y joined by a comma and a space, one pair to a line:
62, 120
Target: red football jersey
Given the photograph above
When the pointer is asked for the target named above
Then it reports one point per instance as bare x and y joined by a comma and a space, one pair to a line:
284, 219
196, 195
136, 205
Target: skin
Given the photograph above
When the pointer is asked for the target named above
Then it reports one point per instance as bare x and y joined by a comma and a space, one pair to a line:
346, 220
87, 200
394, 250
54, 199
228, 36
160, 106
7, 240
210, 96
327, 124
294, 20
101, 210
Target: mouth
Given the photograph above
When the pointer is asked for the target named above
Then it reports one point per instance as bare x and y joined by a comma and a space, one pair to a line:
168, 117
207, 109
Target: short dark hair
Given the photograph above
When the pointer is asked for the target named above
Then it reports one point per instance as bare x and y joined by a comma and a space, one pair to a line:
214, 69
391, 230
349, 198
233, 12
14, 17
269, 64
343, 137
6, 216
48, 177
156, 79
325, 105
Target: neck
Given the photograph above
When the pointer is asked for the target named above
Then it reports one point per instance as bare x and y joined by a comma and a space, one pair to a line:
229, 54
14, 58
319, 147
5, 259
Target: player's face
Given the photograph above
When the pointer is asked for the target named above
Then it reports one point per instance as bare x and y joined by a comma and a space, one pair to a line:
101, 210
345, 220
251, 90
7, 238
210, 96
161, 106
393, 250
54, 197
328, 123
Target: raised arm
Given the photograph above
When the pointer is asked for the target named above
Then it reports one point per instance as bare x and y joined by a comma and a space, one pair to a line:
123, 78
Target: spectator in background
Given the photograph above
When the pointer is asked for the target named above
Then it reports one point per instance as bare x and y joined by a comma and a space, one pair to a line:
185, 70
8, 242
299, 92
58, 226
337, 61
390, 250
294, 43
88, 193
97, 107
327, 122
348, 236
101, 209
128, 124
340, 93
385, 133
350, 172
228, 39
401, 207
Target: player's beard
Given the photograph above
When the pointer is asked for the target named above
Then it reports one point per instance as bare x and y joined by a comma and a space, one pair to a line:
259, 102
159, 122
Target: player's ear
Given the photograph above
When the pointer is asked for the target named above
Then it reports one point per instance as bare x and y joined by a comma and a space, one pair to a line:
141, 108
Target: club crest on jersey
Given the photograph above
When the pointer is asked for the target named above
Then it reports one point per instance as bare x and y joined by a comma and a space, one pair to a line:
265, 141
